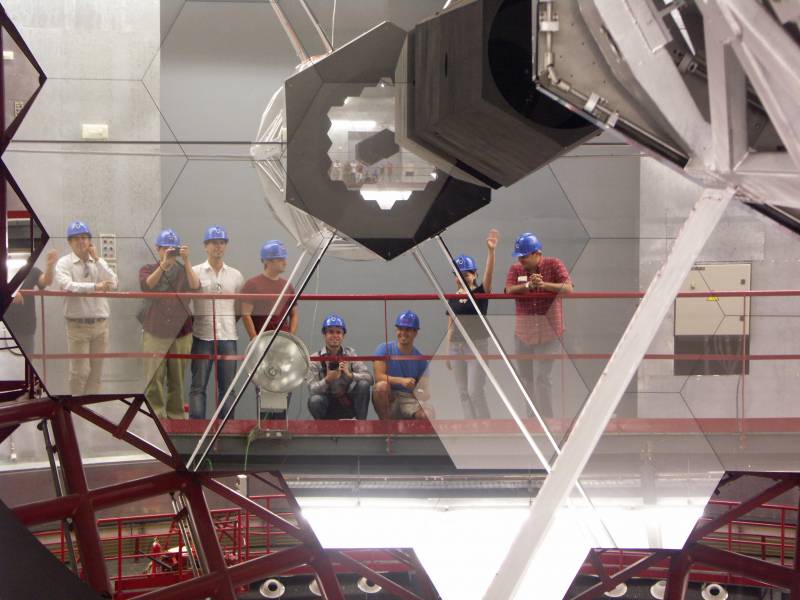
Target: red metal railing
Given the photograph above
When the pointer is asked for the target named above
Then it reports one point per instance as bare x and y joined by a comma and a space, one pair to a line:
744, 356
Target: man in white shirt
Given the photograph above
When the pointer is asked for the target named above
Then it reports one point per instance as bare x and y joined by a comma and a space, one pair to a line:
214, 329
87, 317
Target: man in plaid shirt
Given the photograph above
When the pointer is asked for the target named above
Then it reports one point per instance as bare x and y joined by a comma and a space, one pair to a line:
540, 320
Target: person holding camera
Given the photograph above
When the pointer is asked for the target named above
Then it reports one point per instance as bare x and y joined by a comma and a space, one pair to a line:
167, 324
83, 272
539, 323
339, 389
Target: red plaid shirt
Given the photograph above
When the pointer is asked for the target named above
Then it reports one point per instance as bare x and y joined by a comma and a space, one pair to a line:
539, 320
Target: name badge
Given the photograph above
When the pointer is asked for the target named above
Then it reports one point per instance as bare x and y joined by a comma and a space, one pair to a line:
522, 279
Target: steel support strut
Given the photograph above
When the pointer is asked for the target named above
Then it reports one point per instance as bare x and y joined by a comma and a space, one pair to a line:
208, 541
678, 578
69, 456
606, 394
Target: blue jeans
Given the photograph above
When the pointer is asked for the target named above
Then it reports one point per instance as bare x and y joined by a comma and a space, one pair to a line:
326, 406
201, 372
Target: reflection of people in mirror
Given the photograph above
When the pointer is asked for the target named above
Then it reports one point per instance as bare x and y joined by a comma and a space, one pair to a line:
87, 317
20, 316
338, 389
214, 329
470, 376
255, 312
167, 324
540, 321
401, 386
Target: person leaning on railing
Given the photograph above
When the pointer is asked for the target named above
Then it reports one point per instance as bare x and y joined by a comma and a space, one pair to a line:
540, 320
87, 318
167, 324
339, 389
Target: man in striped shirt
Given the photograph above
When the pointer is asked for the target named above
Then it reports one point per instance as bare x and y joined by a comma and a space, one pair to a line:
540, 319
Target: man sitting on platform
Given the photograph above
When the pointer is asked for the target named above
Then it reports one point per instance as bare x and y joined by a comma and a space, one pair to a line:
339, 389
401, 385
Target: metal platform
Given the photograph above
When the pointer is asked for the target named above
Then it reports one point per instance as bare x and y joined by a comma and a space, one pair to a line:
680, 446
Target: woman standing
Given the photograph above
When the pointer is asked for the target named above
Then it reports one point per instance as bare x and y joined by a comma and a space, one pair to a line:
470, 377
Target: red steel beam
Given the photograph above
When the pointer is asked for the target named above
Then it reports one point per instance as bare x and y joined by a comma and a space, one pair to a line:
129, 416
782, 486
254, 508
85, 521
754, 568
46, 511
57, 509
622, 576
594, 558
21, 411
208, 540
240, 574
678, 578
326, 575
271, 564
127, 436
365, 571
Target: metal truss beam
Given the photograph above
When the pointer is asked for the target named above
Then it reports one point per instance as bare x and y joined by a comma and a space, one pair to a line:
363, 570
754, 568
104, 497
770, 57
678, 577
609, 582
122, 433
69, 455
782, 486
256, 509
727, 93
208, 541
654, 70
601, 403
21, 411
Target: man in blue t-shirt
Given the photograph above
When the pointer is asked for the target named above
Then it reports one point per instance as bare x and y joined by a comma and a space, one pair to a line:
401, 386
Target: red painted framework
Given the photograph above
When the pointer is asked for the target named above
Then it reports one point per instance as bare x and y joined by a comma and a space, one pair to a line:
80, 504
613, 566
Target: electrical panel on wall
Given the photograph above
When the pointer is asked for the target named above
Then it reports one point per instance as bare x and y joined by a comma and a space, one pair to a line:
108, 250
711, 324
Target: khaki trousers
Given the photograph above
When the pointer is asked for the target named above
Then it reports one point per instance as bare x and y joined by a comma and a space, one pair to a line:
85, 373
166, 373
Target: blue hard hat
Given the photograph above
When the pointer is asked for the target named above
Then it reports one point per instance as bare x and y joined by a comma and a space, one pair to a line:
215, 232
333, 320
78, 228
273, 249
465, 263
526, 244
407, 318
168, 239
